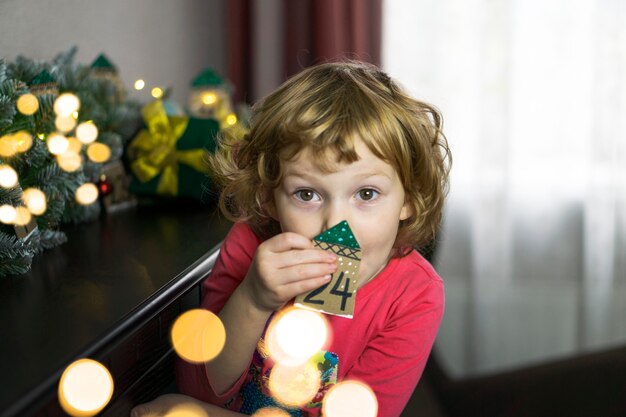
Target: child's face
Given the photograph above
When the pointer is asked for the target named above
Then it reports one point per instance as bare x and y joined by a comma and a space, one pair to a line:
367, 193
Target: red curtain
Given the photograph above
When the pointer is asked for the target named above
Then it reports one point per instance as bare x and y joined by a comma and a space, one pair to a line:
327, 30
315, 31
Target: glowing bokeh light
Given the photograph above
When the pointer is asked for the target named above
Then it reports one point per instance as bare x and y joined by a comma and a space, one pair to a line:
74, 145
271, 412
231, 119
66, 104
295, 335
87, 194
65, 123
157, 92
209, 98
87, 132
35, 200
8, 146
294, 386
7, 214
27, 104
186, 410
57, 144
198, 335
24, 141
85, 388
69, 161
99, 152
8, 176
139, 84
22, 216
350, 399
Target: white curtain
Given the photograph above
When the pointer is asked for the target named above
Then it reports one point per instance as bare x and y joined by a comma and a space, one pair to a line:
533, 247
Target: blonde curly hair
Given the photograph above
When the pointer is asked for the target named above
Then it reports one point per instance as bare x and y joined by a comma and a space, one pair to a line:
328, 107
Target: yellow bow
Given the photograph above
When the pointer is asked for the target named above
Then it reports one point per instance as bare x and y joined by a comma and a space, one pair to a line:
154, 150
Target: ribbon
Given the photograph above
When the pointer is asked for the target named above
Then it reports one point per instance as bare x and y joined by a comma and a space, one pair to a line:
155, 149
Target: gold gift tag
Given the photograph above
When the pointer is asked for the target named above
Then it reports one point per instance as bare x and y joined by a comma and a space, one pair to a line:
338, 295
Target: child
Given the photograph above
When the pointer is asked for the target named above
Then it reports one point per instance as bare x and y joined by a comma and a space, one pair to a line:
338, 141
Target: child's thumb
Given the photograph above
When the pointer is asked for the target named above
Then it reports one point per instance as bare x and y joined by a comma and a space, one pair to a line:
140, 411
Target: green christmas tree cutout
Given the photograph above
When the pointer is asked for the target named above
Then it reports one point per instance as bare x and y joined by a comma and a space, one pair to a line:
338, 296
340, 234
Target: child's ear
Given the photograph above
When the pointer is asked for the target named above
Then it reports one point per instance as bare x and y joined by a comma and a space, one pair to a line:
407, 211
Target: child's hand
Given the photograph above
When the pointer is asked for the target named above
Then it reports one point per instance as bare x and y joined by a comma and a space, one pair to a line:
178, 404
285, 266
160, 406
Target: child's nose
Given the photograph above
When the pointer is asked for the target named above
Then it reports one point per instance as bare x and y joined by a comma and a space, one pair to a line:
333, 215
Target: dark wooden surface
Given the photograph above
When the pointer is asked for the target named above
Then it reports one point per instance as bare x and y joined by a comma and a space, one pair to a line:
105, 293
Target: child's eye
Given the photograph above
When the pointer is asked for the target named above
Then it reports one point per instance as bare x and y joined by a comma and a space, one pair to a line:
367, 194
306, 195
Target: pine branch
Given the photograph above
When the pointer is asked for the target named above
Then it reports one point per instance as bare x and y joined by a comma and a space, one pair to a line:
24, 69
7, 111
3, 70
11, 196
16, 254
51, 238
76, 213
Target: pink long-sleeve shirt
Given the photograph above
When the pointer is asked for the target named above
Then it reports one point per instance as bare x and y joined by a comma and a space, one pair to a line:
385, 345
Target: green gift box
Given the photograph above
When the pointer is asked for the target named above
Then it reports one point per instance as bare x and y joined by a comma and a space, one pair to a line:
169, 157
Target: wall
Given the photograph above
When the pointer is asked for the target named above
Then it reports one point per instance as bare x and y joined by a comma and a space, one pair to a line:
164, 42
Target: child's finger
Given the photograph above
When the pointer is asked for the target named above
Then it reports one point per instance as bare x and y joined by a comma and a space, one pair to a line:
303, 256
287, 241
143, 410
302, 286
306, 271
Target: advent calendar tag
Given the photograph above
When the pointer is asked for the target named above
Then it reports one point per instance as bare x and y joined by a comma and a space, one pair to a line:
337, 296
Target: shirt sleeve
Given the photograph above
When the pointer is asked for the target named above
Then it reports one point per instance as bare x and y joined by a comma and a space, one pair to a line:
392, 363
230, 269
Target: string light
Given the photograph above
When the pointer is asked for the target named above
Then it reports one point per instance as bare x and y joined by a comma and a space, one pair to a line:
294, 386
27, 104
231, 119
65, 124
209, 98
99, 152
198, 335
140, 84
350, 399
85, 388
296, 335
35, 200
271, 412
22, 216
157, 92
8, 176
66, 104
8, 146
7, 214
87, 132
75, 115
69, 161
74, 145
86, 194
57, 144
24, 141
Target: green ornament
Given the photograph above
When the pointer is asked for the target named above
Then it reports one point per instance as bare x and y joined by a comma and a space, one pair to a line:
103, 63
207, 78
340, 234
43, 77
43, 83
